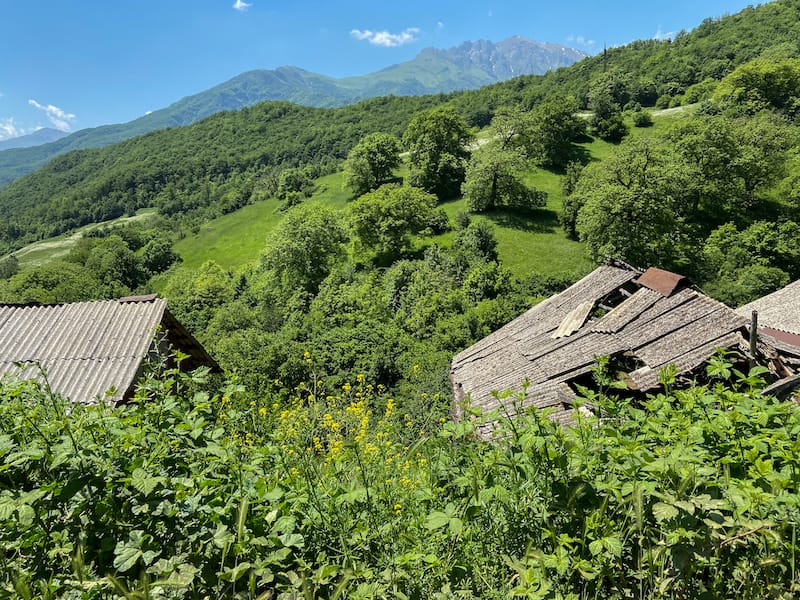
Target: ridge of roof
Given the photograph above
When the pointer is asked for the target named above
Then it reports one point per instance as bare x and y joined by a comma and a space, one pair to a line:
123, 300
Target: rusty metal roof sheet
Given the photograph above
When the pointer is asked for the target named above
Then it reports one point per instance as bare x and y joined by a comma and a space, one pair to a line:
86, 350
793, 339
663, 282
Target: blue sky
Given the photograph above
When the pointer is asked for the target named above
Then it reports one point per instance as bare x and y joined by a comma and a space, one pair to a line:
83, 63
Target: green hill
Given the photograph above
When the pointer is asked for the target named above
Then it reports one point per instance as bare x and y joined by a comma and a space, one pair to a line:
468, 66
188, 170
98, 185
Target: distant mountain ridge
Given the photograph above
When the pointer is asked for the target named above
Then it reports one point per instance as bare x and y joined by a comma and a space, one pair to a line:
40, 136
509, 58
468, 66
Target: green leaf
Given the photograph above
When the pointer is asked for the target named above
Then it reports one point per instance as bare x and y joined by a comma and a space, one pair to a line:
144, 483
274, 495
436, 520
235, 573
664, 512
352, 497
17, 459
587, 570
182, 577
26, 514
222, 536
126, 557
456, 525
6, 444
7, 507
613, 544
291, 539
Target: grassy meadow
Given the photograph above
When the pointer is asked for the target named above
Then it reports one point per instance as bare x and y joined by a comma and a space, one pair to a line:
44, 251
526, 242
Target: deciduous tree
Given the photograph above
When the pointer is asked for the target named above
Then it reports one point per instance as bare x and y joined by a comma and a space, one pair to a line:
553, 128
371, 162
385, 219
632, 206
437, 144
494, 178
303, 249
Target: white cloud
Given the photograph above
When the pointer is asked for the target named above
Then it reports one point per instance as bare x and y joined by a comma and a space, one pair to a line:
580, 40
241, 5
439, 24
663, 35
60, 119
8, 129
386, 39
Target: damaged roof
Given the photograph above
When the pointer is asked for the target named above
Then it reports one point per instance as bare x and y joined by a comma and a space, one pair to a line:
88, 348
648, 319
778, 313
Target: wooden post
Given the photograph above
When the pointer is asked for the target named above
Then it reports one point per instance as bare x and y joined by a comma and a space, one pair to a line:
753, 338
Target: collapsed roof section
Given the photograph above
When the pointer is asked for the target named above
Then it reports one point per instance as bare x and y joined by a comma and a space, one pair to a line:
644, 321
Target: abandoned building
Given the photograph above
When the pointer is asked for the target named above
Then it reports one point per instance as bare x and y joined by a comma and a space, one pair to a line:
643, 321
778, 314
92, 351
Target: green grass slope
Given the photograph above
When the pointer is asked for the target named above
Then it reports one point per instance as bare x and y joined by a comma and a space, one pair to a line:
238, 238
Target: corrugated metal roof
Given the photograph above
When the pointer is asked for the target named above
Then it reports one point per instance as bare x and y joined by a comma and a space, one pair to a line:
663, 322
84, 348
778, 310
792, 339
574, 320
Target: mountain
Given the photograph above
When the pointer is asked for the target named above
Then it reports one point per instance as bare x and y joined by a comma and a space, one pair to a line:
185, 169
509, 58
468, 66
37, 138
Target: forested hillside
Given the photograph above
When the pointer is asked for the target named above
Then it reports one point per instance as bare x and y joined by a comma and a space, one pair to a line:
378, 281
114, 180
188, 169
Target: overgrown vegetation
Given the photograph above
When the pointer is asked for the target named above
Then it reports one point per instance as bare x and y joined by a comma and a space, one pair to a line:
344, 490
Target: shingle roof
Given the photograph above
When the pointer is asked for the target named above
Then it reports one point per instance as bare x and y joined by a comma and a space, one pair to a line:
779, 310
87, 348
649, 319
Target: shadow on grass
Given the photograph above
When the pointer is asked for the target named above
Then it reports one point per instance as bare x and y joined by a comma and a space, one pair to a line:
532, 221
577, 154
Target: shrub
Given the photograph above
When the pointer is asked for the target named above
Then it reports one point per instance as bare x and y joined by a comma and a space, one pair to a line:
642, 119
